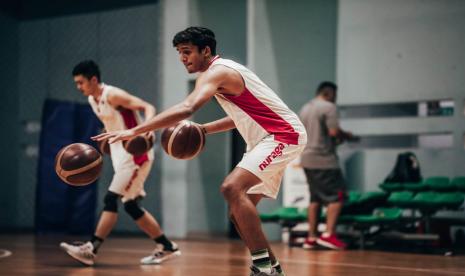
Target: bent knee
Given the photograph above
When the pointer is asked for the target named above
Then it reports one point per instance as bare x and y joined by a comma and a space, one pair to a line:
229, 190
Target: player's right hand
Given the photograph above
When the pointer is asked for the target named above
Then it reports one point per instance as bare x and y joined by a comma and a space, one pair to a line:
115, 136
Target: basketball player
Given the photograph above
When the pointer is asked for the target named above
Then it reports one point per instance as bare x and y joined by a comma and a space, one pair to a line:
119, 110
273, 133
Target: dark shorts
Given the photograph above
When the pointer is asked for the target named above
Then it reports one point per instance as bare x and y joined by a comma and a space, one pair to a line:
326, 185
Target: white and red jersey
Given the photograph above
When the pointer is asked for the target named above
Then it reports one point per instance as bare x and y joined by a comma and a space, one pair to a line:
258, 111
118, 119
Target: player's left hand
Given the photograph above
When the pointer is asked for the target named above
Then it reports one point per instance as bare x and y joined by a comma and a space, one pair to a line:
115, 136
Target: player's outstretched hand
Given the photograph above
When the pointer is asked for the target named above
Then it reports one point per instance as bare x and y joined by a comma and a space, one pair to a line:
115, 136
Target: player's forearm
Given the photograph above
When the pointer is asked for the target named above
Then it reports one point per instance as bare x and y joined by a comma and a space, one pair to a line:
220, 125
166, 118
149, 112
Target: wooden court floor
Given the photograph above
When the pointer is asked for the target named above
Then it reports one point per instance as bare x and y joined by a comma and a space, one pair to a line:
120, 256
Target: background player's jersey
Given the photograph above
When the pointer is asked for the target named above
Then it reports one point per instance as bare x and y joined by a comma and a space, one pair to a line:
258, 111
118, 119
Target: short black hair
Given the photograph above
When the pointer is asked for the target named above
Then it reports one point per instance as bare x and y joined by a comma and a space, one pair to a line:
87, 68
198, 36
326, 84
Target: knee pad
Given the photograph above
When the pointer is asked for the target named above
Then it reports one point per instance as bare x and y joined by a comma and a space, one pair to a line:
133, 209
111, 202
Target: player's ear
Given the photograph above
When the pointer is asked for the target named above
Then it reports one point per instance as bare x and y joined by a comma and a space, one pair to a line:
94, 79
207, 51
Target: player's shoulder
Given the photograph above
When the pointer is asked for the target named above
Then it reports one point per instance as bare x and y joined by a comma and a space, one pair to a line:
325, 105
224, 67
228, 63
215, 72
113, 91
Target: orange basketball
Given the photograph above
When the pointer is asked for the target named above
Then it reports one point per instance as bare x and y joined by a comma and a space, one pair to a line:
138, 145
185, 140
78, 164
103, 145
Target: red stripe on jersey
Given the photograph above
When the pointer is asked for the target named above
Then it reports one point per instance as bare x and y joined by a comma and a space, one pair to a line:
265, 117
130, 121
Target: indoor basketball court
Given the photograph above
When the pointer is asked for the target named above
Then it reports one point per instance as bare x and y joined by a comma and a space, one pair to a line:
215, 257
248, 137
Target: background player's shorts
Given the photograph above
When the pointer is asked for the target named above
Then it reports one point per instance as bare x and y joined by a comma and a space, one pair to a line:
268, 160
326, 185
129, 181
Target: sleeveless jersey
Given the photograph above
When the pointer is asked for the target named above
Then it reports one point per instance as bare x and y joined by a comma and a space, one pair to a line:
118, 119
258, 111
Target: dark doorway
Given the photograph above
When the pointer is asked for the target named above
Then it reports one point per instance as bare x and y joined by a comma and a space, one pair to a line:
238, 148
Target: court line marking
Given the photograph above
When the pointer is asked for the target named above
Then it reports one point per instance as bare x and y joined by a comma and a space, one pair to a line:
291, 261
5, 253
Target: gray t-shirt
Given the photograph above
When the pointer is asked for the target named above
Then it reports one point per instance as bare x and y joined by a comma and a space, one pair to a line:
318, 116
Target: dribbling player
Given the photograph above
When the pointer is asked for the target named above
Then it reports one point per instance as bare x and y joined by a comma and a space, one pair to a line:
119, 110
273, 133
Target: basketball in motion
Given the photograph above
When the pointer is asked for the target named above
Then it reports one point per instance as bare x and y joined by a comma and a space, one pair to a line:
104, 147
139, 144
185, 140
78, 164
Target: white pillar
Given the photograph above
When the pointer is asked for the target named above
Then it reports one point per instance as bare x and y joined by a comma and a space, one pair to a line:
174, 88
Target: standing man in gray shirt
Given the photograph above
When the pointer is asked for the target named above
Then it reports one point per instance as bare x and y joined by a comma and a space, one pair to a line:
320, 162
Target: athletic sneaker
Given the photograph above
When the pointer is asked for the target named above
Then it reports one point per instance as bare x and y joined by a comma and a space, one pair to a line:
160, 255
278, 270
331, 241
309, 244
83, 252
257, 272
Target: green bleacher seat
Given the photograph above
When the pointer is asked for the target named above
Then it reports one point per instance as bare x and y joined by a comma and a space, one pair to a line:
373, 196
401, 199
426, 200
351, 202
415, 187
434, 201
439, 183
352, 197
450, 200
300, 215
459, 183
368, 201
391, 187
380, 215
273, 216
285, 213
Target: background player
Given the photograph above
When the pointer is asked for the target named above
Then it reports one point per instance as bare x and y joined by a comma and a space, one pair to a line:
119, 110
321, 164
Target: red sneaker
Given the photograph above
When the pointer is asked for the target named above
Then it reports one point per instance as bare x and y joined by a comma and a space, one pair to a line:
309, 244
331, 241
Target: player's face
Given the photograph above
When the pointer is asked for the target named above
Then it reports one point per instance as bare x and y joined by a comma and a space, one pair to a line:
331, 95
193, 59
84, 85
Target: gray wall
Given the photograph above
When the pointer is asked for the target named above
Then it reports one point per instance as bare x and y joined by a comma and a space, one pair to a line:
9, 124
396, 51
292, 46
124, 43
402, 51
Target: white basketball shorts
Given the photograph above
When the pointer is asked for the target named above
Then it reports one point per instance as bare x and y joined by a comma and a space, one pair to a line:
268, 160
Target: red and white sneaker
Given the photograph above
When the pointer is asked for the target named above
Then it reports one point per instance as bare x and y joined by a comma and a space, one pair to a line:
309, 243
331, 241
